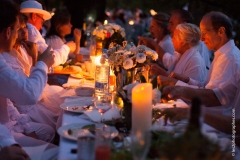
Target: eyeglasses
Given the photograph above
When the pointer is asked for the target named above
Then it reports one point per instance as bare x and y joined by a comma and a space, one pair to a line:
40, 17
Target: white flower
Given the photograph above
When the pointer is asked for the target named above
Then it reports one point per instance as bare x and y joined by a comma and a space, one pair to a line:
152, 53
140, 57
128, 63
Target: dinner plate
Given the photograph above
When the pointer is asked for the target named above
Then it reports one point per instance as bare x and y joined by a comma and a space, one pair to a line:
72, 131
79, 76
76, 106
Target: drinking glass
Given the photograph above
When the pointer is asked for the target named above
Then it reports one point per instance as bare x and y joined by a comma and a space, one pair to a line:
103, 143
103, 104
140, 143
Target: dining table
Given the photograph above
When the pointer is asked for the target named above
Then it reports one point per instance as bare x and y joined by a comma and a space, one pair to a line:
67, 146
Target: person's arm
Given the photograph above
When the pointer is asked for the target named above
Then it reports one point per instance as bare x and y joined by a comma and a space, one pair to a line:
221, 122
14, 152
21, 89
149, 42
77, 35
207, 96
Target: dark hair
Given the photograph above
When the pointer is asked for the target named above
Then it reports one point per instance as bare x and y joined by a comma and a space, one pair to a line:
23, 18
60, 18
8, 14
162, 20
185, 15
218, 20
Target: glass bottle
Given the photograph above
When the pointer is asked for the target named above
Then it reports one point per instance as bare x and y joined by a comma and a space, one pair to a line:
102, 73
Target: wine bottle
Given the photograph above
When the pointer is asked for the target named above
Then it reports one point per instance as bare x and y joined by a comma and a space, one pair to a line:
195, 119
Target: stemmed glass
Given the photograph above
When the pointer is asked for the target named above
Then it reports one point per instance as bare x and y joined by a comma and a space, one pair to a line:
140, 143
103, 104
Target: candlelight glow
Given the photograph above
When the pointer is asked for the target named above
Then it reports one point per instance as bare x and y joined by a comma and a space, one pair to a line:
152, 12
105, 22
131, 22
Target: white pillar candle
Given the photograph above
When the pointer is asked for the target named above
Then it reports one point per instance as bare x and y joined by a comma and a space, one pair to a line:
141, 107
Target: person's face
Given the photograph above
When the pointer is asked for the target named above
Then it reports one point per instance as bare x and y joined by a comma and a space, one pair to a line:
13, 36
22, 34
38, 21
174, 20
65, 29
177, 44
155, 29
208, 35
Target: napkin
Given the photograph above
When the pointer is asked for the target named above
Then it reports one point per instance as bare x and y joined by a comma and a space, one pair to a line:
36, 151
95, 116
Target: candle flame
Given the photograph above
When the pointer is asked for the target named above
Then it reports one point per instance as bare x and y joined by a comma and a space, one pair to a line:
142, 88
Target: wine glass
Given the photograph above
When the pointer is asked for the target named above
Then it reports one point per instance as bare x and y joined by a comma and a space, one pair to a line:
103, 104
140, 143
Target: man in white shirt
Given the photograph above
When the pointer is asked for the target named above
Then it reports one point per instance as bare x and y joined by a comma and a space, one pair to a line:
227, 94
14, 86
36, 16
216, 30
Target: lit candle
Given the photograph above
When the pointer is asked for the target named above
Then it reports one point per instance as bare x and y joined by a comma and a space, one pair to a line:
141, 107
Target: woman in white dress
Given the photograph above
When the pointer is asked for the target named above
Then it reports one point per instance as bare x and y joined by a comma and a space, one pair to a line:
61, 27
186, 59
158, 29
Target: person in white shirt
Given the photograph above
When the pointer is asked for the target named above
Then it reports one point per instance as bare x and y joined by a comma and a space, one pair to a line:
61, 27
22, 90
46, 110
158, 29
182, 16
227, 94
36, 16
216, 30
186, 59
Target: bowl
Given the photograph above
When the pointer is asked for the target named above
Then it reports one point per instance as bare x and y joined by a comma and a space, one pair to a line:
84, 91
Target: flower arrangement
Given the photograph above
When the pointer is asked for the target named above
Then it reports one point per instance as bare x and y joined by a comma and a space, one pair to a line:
117, 33
129, 56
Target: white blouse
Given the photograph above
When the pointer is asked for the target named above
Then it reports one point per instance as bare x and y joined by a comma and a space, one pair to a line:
61, 53
189, 64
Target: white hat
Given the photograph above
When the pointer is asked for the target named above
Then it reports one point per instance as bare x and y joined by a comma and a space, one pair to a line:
32, 6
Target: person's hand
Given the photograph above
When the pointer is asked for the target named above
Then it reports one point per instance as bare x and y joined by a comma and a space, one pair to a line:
179, 77
13, 153
31, 49
166, 81
174, 114
149, 42
71, 45
157, 70
172, 93
77, 34
47, 57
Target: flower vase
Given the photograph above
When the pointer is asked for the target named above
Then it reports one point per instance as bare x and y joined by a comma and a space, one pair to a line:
125, 77
127, 113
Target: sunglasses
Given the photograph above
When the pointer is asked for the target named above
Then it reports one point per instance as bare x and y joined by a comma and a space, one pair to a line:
40, 17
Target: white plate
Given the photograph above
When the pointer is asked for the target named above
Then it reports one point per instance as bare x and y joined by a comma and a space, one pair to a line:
76, 129
79, 76
76, 106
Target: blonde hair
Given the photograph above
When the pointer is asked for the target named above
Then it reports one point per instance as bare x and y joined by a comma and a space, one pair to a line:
189, 33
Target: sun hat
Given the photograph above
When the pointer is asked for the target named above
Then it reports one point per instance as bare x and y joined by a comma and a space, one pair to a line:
32, 6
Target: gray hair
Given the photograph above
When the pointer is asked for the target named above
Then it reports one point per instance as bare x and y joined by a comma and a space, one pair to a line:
189, 33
